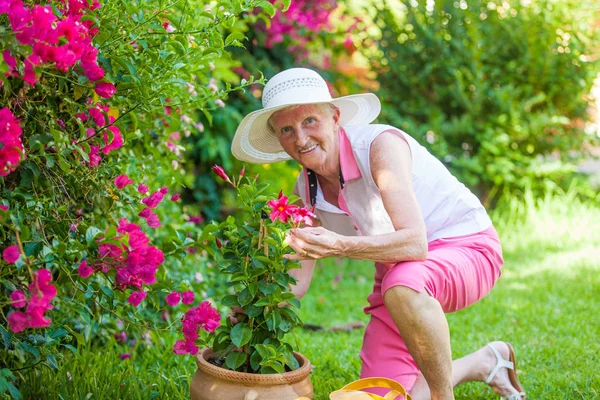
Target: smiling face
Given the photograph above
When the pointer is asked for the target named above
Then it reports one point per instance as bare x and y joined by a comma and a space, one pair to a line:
308, 133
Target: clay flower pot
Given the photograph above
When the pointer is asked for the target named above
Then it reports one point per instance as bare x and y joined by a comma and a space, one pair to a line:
214, 383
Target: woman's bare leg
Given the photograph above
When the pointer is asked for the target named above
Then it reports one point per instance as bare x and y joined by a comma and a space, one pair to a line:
473, 367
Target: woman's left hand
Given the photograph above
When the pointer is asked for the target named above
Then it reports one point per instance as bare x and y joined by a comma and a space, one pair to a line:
313, 243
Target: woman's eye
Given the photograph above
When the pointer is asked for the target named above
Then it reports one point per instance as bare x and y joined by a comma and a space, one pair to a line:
310, 120
286, 129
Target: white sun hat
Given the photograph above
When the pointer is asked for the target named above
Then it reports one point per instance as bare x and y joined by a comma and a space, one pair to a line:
254, 143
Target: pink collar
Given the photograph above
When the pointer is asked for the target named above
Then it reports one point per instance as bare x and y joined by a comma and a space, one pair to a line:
348, 163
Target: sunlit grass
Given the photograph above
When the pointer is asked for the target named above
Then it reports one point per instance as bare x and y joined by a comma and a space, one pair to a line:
545, 304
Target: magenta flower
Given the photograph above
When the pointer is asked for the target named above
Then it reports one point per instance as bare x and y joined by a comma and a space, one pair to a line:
42, 293
11, 254
94, 157
173, 299
155, 198
18, 321
175, 197
105, 89
122, 180
185, 347
115, 143
187, 297
18, 298
142, 188
202, 317
280, 209
136, 298
150, 217
3, 207
221, 173
11, 148
84, 270
125, 356
121, 336
97, 116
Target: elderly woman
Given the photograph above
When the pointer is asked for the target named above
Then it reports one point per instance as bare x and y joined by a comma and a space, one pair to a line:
380, 196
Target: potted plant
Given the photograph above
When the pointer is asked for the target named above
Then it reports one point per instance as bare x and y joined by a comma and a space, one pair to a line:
246, 357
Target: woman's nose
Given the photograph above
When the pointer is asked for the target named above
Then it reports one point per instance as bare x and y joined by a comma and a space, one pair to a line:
301, 137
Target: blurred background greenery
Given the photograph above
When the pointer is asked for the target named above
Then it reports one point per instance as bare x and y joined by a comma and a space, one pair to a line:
500, 92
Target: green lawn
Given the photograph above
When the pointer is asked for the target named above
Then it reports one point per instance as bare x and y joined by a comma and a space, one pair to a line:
545, 304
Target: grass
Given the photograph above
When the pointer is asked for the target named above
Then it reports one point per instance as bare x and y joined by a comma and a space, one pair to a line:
546, 304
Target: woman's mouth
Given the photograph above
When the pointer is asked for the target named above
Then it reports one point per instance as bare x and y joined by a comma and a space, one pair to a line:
309, 149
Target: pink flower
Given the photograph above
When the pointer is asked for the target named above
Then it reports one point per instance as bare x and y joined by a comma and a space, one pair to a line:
220, 103
150, 217
173, 299
84, 270
11, 254
42, 293
3, 207
11, 62
136, 298
97, 116
175, 197
11, 148
125, 356
303, 215
105, 89
155, 198
187, 297
142, 188
18, 321
185, 347
94, 157
280, 208
197, 219
115, 143
122, 180
29, 74
121, 336
18, 298
221, 173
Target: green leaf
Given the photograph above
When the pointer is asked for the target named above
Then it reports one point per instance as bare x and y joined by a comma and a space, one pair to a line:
91, 233
267, 288
286, 5
255, 360
108, 291
6, 338
263, 302
233, 37
295, 302
291, 361
230, 301
52, 361
235, 359
252, 311
268, 8
241, 334
244, 297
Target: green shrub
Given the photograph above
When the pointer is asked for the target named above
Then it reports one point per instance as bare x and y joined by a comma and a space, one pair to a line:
81, 131
495, 90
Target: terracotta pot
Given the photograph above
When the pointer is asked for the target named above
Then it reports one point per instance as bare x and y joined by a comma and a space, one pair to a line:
214, 383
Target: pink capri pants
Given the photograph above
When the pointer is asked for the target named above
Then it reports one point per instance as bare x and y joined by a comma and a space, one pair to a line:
458, 272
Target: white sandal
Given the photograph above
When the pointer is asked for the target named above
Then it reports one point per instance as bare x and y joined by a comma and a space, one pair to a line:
510, 365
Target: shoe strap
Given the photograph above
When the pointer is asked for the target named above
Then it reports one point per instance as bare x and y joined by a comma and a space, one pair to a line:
500, 363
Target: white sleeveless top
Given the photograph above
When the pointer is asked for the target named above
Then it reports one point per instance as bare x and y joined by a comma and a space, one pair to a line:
447, 206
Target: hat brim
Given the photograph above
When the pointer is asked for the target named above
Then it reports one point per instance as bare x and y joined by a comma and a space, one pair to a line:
254, 143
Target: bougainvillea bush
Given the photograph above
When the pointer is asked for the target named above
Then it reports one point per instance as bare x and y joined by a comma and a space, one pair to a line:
250, 250
98, 104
